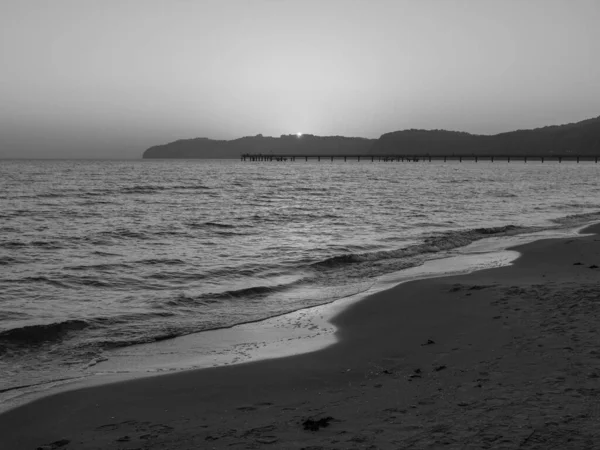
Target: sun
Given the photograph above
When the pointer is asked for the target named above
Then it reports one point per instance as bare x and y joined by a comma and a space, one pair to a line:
299, 134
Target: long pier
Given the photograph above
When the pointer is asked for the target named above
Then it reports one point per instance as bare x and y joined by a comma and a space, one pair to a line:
418, 158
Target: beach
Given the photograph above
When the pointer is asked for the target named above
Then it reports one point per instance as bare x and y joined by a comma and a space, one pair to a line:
499, 358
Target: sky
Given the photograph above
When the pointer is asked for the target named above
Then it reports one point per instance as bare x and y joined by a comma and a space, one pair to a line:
110, 78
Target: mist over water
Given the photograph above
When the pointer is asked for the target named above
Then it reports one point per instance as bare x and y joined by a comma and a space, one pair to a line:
102, 254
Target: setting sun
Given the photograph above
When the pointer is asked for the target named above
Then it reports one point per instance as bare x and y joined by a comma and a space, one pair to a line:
299, 134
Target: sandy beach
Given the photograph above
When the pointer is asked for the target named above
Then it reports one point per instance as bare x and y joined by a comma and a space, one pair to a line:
499, 358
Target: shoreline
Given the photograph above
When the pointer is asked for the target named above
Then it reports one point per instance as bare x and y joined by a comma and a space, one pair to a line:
308, 328
40, 375
511, 362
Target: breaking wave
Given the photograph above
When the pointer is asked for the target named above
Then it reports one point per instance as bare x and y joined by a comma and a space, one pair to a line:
35, 334
433, 244
246, 293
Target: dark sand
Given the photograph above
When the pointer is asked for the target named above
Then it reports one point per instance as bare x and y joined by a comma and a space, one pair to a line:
513, 362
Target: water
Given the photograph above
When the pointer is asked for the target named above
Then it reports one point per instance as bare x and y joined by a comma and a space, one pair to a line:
97, 255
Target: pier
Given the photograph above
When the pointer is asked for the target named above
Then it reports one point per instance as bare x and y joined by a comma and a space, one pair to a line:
418, 158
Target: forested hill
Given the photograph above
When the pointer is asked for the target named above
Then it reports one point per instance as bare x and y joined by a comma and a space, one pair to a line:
286, 144
582, 138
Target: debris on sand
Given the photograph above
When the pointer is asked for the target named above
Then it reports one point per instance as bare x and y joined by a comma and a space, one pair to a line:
55, 445
314, 425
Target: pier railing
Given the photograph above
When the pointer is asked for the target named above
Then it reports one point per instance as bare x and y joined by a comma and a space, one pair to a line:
417, 158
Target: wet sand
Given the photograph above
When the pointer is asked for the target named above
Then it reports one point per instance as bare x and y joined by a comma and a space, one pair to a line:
499, 358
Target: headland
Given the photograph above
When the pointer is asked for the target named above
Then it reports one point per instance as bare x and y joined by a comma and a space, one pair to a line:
570, 140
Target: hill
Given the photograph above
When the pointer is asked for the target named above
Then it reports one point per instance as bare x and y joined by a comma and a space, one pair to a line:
286, 144
581, 138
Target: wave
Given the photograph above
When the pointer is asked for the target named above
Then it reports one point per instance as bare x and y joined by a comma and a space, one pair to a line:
70, 281
96, 193
49, 195
230, 233
497, 230
222, 229
29, 337
35, 334
124, 234
144, 339
176, 276
93, 203
578, 219
142, 189
13, 244
187, 300
149, 189
192, 187
503, 194
139, 189
251, 292
7, 260
178, 234
100, 267
249, 269
93, 282
49, 245
100, 253
433, 244
9, 230
218, 225
38, 279
101, 322
168, 262
13, 315
256, 291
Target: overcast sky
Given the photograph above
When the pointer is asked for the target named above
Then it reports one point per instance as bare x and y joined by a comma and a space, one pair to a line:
109, 78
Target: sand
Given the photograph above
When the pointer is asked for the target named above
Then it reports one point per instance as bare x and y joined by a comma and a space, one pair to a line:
500, 358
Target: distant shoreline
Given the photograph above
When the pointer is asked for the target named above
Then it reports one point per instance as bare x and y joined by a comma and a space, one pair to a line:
581, 138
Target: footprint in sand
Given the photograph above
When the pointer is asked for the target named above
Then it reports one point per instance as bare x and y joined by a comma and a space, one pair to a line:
55, 445
115, 426
254, 407
246, 408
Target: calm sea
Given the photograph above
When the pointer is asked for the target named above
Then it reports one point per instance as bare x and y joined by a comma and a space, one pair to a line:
102, 254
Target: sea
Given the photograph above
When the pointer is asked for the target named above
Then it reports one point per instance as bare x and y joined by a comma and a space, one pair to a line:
97, 256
